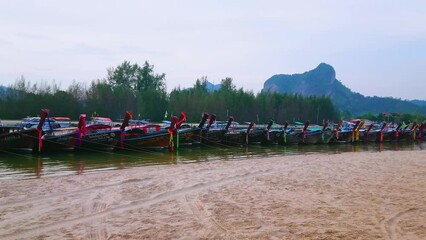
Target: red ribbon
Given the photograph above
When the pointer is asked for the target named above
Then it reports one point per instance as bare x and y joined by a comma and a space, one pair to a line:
40, 141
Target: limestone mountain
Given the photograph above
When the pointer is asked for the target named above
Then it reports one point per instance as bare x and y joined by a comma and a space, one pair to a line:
212, 87
421, 103
322, 81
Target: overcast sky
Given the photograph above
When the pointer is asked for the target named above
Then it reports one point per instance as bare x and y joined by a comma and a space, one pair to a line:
378, 48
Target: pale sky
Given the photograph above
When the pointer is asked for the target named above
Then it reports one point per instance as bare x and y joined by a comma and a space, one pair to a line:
378, 48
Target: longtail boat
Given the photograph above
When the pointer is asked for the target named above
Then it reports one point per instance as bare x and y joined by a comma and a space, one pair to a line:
56, 138
259, 135
390, 133
383, 135
214, 136
335, 132
309, 136
297, 135
270, 136
404, 133
369, 134
290, 135
356, 131
237, 136
344, 132
326, 134
99, 136
149, 136
411, 133
395, 132
187, 135
21, 138
378, 133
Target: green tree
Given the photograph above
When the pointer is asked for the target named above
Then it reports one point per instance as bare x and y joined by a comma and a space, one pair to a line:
147, 95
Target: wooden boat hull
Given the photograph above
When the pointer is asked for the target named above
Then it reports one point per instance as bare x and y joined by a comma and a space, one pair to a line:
375, 136
257, 136
138, 141
369, 137
235, 138
189, 136
18, 139
291, 138
408, 136
275, 137
344, 137
387, 137
101, 140
212, 136
58, 140
326, 137
310, 138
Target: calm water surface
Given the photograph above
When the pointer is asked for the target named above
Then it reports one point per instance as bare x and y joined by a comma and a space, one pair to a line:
25, 165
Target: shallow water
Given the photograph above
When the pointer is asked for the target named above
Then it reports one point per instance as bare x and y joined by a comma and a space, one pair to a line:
25, 165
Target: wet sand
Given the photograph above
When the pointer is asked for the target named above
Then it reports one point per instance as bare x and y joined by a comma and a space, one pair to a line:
363, 195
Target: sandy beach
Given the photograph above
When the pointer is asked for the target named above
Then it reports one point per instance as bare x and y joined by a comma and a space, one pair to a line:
362, 195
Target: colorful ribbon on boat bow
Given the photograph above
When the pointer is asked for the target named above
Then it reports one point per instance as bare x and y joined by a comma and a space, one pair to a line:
123, 126
43, 115
172, 130
82, 130
171, 142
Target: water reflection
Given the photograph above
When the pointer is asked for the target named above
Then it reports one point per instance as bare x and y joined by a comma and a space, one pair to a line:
23, 166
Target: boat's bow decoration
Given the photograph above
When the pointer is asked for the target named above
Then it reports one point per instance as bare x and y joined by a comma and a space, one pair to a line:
336, 129
381, 131
181, 120
172, 131
43, 115
82, 130
323, 131
285, 132
126, 120
414, 130
268, 128
248, 131
123, 126
397, 129
305, 128
211, 120
211, 135
367, 132
355, 131
228, 124
189, 135
357, 134
203, 120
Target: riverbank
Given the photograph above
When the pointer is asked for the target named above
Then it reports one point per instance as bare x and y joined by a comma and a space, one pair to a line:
360, 195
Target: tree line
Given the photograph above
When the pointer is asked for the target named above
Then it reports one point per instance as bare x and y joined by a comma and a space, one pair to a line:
395, 117
130, 87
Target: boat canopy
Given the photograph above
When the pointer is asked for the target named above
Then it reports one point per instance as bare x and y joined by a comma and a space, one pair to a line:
61, 118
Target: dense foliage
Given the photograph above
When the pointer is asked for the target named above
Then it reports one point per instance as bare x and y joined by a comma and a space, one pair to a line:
130, 87
245, 106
